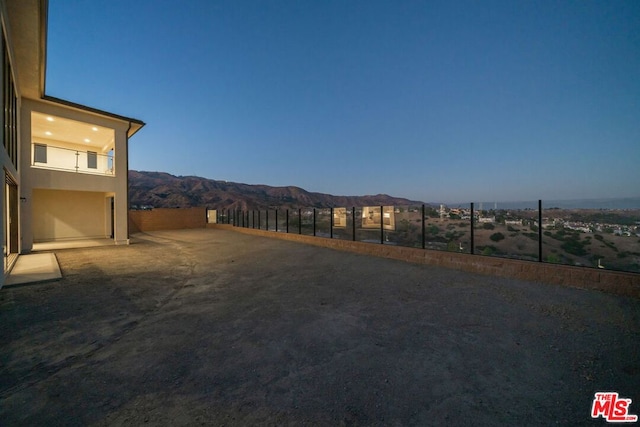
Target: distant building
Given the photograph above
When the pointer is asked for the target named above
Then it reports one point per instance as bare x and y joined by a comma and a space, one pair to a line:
487, 219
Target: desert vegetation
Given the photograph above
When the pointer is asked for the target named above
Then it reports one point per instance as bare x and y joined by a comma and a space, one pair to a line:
571, 237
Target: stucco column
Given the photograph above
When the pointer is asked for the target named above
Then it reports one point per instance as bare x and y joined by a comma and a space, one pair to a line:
121, 221
25, 185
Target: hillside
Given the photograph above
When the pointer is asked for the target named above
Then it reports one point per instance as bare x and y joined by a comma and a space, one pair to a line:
163, 190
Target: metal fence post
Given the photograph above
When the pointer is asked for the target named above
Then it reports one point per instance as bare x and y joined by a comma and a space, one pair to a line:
266, 220
276, 220
539, 230
381, 227
331, 224
353, 223
299, 221
314, 221
287, 219
423, 242
473, 247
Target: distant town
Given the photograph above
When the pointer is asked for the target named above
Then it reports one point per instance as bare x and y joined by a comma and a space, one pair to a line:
622, 222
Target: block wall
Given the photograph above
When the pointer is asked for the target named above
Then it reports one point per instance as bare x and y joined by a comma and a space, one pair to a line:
167, 219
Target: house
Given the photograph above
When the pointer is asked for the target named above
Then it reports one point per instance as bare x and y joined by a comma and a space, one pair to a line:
487, 219
65, 165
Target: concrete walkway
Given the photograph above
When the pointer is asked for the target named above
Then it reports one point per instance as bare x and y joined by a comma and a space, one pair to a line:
34, 268
40, 267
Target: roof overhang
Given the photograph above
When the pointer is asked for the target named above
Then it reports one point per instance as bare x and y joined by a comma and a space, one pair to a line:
134, 124
27, 28
27, 32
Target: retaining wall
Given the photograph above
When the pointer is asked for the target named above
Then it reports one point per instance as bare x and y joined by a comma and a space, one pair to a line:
620, 283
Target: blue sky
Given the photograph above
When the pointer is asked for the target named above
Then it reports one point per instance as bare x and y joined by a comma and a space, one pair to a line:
452, 101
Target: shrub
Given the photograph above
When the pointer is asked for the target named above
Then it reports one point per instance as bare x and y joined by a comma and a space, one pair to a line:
453, 247
488, 251
496, 237
488, 226
432, 229
574, 247
553, 258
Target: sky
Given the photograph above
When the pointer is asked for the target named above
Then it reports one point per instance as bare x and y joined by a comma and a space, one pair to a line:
447, 101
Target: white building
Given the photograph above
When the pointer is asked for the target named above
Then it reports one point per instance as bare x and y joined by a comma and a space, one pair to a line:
65, 164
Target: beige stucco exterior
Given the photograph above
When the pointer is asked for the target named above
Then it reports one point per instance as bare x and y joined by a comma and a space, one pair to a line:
75, 185
69, 215
42, 202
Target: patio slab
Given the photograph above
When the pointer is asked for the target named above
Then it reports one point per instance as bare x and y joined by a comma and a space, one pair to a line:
34, 268
216, 327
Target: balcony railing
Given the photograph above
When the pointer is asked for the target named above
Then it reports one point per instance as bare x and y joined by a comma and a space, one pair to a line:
70, 160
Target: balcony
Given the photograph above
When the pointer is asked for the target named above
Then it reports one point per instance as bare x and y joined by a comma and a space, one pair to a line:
46, 156
63, 144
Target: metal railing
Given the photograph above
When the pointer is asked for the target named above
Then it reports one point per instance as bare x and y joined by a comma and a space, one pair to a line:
71, 160
581, 237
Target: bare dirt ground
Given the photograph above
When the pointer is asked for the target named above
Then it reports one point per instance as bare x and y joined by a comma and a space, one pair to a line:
216, 327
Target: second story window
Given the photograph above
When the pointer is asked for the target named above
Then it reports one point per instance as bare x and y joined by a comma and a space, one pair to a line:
39, 153
9, 107
92, 160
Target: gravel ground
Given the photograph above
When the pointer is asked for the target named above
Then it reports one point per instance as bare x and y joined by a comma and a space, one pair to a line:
216, 327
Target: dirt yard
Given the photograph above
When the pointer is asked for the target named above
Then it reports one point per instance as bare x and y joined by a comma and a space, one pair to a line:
216, 327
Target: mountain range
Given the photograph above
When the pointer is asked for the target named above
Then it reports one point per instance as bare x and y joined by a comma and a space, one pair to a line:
163, 190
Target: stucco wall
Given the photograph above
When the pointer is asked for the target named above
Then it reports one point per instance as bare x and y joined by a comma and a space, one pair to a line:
38, 178
59, 214
167, 219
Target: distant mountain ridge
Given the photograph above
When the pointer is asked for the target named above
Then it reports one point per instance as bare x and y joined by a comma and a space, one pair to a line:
163, 190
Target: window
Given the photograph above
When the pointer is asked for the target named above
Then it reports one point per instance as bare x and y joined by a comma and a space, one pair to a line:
39, 153
9, 107
92, 160
110, 160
